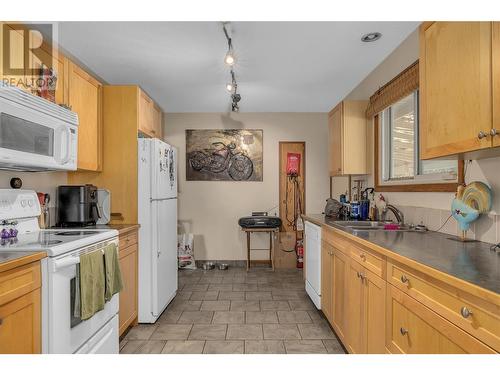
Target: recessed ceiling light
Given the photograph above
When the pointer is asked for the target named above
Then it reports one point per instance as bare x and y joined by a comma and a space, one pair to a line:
371, 37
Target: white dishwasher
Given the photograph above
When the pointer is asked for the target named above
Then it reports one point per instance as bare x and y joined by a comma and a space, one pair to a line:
313, 262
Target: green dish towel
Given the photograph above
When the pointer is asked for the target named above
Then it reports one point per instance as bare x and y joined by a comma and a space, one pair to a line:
114, 283
92, 284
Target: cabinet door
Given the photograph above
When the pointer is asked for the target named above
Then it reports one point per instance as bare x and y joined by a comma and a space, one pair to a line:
415, 329
339, 270
20, 325
496, 83
455, 87
128, 296
356, 308
326, 280
145, 114
374, 324
335, 153
84, 97
16, 57
46, 57
157, 119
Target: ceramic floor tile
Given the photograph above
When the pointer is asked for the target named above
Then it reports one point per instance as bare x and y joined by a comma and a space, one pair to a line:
261, 317
183, 296
208, 332
258, 296
220, 287
185, 306
316, 331
333, 347
316, 316
274, 305
170, 316
171, 332
244, 332
245, 306
122, 344
132, 346
231, 296
264, 347
201, 317
281, 332
294, 317
301, 304
215, 305
183, 347
287, 295
151, 347
141, 332
229, 317
224, 347
205, 296
195, 287
245, 287
305, 347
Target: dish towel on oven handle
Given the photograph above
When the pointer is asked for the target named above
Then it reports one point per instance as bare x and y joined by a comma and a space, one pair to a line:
114, 282
92, 284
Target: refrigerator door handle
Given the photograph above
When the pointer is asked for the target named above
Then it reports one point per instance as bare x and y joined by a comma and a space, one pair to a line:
160, 199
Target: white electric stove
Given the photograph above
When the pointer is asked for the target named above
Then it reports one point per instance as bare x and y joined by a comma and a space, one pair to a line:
62, 330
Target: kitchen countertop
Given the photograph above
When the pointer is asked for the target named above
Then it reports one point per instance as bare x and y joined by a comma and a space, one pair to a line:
473, 262
121, 228
14, 259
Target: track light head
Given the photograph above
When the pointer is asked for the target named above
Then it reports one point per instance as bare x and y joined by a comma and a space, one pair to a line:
229, 59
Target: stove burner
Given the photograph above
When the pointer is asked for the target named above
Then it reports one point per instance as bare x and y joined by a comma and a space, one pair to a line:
75, 233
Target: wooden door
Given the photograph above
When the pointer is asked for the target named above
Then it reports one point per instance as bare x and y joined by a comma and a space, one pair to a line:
20, 325
374, 324
415, 329
455, 87
145, 114
286, 187
339, 270
496, 83
128, 296
335, 141
356, 308
326, 281
84, 98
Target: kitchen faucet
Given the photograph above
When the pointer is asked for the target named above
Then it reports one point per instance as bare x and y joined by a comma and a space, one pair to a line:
398, 214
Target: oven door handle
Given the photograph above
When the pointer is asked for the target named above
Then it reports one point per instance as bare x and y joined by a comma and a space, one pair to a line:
65, 262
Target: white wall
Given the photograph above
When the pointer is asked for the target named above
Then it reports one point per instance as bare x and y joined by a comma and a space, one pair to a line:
210, 209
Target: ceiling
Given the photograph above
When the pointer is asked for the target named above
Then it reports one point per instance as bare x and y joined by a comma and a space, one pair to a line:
281, 66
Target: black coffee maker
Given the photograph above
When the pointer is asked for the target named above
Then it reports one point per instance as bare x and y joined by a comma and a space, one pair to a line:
77, 206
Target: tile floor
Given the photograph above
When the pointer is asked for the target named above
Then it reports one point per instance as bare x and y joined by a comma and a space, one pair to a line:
234, 311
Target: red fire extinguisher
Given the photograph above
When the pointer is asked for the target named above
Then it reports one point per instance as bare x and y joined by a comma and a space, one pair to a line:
299, 249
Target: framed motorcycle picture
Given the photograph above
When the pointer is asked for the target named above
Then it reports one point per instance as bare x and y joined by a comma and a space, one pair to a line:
224, 154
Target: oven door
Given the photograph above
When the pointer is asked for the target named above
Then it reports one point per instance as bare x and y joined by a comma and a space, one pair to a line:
33, 141
66, 332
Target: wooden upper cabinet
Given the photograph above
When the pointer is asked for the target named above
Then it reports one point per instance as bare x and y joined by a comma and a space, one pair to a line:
150, 116
456, 87
347, 138
157, 121
15, 55
496, 83
84, 98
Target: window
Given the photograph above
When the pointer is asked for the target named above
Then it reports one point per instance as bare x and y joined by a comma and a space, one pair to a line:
399, 154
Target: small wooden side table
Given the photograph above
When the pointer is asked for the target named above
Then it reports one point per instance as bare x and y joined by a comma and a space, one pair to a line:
272, 236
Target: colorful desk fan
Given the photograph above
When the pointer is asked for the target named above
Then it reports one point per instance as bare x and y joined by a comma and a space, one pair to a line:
470, 201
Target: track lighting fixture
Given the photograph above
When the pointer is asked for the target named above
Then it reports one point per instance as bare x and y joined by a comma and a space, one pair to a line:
230, 60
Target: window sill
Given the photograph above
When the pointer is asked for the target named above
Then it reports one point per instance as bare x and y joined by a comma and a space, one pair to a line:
420, 187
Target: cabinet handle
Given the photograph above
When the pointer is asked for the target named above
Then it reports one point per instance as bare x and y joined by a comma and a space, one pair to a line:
358, 274
362, 256
404, 279
481, 135
493, 132
466, 313
403, 331
361, 276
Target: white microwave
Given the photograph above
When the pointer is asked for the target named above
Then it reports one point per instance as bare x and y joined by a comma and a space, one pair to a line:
36, 134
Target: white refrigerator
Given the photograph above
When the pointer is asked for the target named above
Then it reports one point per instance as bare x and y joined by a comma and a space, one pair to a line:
157, 199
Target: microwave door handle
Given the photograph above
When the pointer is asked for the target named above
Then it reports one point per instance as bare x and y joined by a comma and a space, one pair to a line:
68, 147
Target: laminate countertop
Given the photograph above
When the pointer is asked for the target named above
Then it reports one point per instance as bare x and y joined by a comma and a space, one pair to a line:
14, 259
473, 262
121, 228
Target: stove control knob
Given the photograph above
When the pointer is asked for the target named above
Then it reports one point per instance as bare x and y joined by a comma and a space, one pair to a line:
23, 203
30, 203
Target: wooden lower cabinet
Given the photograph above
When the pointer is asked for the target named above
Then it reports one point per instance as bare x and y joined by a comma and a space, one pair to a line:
326, 280
128, 296
20, 310
339, 269
415, 329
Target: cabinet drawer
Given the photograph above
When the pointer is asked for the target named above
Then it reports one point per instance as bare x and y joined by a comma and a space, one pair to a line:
128, 239
415, 329
19, 281
369, 259
336, 240
483, 320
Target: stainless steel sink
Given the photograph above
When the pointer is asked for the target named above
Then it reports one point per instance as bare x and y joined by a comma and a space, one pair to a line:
361, 226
